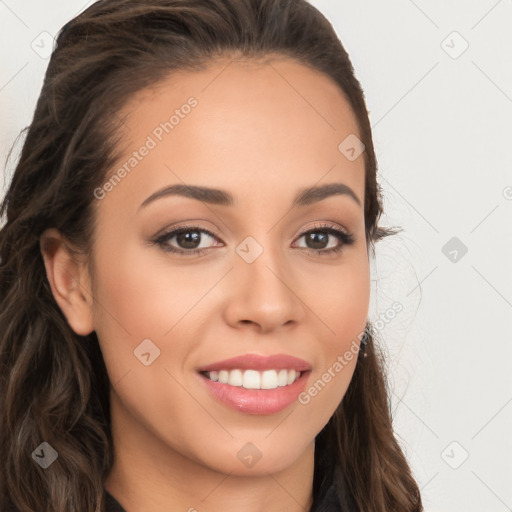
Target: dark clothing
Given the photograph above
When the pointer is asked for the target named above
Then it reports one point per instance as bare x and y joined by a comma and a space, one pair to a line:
112, 504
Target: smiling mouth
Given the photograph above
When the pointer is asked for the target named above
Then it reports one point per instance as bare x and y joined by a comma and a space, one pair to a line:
254, 379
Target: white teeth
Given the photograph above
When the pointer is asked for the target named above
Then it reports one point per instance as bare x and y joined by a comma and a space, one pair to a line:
235, 378
253, 379
291, 376
269, 379
282, 378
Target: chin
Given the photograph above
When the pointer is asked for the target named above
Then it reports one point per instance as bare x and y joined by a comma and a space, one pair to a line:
256, 459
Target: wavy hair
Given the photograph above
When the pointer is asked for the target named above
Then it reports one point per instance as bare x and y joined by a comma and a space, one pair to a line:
53, 383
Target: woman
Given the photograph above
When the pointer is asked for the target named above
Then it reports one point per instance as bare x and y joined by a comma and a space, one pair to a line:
185, 271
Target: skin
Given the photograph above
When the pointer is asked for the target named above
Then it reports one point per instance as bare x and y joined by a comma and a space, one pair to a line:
261, 139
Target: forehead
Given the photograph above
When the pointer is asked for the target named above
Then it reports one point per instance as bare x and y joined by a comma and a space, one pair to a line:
240, 124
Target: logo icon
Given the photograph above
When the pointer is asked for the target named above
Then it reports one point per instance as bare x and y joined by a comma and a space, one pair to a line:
45, 455
454, 45
454, 249
249, 455
146, 352
249, 250
454, 455
43, 44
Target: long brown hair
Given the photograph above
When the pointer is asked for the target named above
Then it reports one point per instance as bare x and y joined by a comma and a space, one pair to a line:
53, 383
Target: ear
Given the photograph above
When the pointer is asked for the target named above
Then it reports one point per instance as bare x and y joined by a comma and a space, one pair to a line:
69, 281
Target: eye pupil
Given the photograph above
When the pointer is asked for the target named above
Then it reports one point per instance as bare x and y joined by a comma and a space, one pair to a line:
188, 239
315, 237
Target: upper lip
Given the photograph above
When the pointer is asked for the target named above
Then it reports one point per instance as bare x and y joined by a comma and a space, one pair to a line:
258, 362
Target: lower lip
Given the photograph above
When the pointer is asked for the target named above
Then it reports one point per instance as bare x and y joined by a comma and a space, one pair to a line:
257, 401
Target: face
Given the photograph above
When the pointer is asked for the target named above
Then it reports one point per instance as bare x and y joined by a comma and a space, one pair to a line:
185, 282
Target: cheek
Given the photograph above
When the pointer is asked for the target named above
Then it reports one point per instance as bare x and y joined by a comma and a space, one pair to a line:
342, 300
344, 312
143, 296
131, 306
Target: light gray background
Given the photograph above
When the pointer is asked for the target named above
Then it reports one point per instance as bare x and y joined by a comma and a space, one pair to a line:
441, 119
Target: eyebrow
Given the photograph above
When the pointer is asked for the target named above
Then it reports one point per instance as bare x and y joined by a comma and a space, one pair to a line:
305, 196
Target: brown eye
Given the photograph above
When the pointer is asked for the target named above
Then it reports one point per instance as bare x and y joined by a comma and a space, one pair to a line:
186, 240
319, 238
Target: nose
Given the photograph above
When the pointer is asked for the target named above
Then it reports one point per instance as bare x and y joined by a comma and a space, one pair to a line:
264, 294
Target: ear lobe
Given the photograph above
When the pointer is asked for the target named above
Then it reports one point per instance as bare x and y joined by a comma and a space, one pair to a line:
69, 281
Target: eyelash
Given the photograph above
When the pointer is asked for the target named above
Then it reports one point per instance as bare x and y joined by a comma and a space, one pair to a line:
162, 240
